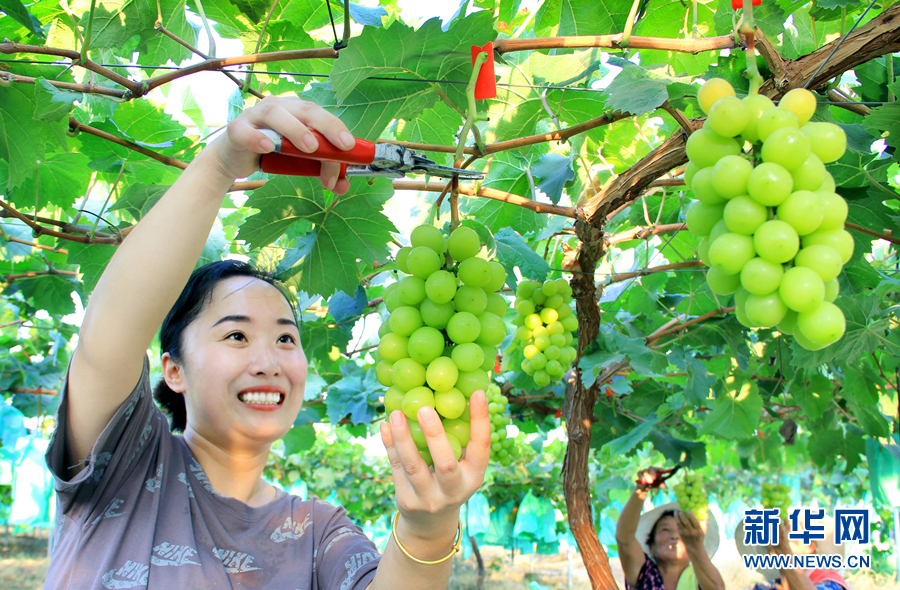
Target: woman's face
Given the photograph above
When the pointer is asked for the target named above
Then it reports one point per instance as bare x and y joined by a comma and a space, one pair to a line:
244, 370
667, 544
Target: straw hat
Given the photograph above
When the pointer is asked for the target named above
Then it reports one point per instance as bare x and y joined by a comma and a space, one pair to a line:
824, 546
649, 518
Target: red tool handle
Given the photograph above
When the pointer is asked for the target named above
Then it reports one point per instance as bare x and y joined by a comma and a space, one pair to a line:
290, 160
362, 153
282, 164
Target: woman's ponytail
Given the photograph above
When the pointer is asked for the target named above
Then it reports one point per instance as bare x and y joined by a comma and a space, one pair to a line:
172, 404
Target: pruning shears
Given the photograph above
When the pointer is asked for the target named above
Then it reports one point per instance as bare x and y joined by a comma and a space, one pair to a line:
367, 158
661, 476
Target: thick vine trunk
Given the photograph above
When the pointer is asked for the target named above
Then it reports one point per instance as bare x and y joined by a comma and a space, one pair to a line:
578, 410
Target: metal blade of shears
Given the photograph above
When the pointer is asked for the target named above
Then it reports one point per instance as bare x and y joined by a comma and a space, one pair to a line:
425, 166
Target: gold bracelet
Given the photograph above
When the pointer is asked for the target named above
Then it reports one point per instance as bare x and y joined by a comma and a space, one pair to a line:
457, 545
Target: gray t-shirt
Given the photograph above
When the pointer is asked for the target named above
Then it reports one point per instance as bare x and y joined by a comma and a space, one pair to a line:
142, 514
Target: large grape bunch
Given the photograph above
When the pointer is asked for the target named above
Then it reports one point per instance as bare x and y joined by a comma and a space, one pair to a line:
776, 495
441, 337
545, 326
772, 226
691, 495
503, 448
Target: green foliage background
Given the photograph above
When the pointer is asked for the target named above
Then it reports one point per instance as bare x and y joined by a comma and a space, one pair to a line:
742, 405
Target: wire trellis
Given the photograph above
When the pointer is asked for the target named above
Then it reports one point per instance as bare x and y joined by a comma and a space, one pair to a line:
382, 78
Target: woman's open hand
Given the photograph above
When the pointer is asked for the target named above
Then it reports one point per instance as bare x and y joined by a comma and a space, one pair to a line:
428, 500
238, 149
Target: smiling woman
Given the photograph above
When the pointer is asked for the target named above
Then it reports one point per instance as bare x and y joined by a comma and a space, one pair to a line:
199, 295
665, 548
140, 505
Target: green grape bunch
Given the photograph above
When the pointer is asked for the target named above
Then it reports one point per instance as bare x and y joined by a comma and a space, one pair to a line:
770, 222
545, 327
440, 341
691, 496
503, 448
777, 495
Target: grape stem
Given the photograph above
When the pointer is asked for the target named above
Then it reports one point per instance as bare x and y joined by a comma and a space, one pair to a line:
748, 29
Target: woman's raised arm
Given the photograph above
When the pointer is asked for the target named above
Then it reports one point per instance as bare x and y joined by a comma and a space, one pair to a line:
150, 268
631, 553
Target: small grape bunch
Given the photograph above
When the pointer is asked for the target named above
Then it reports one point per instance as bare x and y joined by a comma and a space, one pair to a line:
503, 449
440, 341
776, 495
771, 223
545, 329
691, 496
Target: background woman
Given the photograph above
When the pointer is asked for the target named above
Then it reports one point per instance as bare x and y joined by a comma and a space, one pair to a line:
665, 548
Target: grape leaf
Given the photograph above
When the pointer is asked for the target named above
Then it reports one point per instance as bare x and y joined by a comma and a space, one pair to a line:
373, 104
142, 122
608, 425
91, 259
871, 420
699, 381
349, 396
343, 307
831, 4
515, 111
319, 340
348, 228
437, 125
814, 395
287, 35
633, 90
574, 17
287, 266
365, 15
138, 199
427, 52
24, 140
641, 358
861, 384
692, 454
871, 212
51, 292
299, 439
17, 11
315, 385
513, 251
498, 215
63, 177
115, 22
667, 19
13, 251
554, 170
160, 49
566, 70
625, 443
736, 413
52, 103
191, 108
885, 120
826, 445
799, 37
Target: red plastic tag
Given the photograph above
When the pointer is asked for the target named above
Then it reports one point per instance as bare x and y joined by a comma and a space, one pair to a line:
735, 4
486, 84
